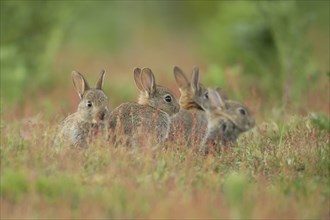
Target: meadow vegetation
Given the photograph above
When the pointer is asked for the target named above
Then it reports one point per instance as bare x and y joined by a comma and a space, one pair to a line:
274, 56
278, 170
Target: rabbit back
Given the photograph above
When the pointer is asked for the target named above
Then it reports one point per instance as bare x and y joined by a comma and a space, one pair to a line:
188, 128
130, 122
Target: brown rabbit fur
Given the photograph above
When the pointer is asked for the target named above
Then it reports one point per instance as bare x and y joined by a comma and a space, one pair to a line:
227, 119
91, 113
189, 125
147, 120
192, 122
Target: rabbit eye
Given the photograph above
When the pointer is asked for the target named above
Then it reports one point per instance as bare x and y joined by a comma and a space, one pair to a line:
206, 95
168, 98
89, 104
242, 111
224, 127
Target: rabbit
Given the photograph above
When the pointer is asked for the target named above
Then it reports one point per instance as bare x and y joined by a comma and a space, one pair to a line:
189, 125
92, 112
227, 119
149, 118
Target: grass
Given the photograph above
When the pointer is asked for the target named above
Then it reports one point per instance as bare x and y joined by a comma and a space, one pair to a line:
273, 56
275, 171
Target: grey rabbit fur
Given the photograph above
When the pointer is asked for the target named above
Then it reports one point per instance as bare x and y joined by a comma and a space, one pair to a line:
148, 119
90, 116
227, 119
193, 126
189, 125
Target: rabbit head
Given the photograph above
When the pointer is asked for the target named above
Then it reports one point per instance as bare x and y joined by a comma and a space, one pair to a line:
228, 110
193, 93
154, 95
206, 103
239, 115
93, 105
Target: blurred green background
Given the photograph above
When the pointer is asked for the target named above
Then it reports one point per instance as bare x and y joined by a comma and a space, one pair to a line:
269, 54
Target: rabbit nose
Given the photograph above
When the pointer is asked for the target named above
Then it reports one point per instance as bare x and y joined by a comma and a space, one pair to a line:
251, 124
177, 109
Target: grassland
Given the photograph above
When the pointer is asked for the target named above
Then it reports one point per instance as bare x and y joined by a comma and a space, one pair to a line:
273, 55
278, 170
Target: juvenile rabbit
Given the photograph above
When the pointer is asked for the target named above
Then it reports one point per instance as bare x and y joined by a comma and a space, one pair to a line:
227, 119
92, 111
149, 118
188, 127
191, 123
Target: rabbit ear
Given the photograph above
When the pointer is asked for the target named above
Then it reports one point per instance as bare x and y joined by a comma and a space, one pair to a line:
180, 78
148, 81
195, 79
79, 83
99, 82
137, 78
216, 100
222, 93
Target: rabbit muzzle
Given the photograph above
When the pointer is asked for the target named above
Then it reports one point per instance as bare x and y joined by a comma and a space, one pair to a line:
250, 124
